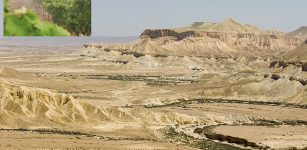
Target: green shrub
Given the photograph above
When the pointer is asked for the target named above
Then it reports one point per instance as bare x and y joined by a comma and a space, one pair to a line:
28, 24
24, 23
73, 15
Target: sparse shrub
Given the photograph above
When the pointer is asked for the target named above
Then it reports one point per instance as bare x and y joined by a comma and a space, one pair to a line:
273, 64
135, 54
275, 77
303, 82
283, 64
304, 67
160, 55
121, 62
107, 50
266, 75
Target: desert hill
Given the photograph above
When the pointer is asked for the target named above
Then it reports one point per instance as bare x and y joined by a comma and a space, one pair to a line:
224, 39
299, 33
23, 107
299, 53
228, 25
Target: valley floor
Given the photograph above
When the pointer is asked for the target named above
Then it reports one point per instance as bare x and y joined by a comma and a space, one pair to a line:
59, 99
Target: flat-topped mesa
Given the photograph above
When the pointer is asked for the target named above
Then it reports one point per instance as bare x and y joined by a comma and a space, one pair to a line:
158, 33
153, 34
223, 36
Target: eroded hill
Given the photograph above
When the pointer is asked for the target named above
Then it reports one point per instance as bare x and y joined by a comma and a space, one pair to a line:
167, 90
226, 38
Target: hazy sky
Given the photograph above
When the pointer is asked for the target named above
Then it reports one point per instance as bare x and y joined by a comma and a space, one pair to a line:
131, 17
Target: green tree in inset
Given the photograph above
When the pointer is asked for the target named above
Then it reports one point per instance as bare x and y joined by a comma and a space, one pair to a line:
73, 15
24, 23
28, 24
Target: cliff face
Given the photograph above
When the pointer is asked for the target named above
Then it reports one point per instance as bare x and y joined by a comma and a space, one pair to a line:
235, 40
153, 34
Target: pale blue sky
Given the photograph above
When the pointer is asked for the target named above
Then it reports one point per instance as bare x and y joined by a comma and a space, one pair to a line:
131, 17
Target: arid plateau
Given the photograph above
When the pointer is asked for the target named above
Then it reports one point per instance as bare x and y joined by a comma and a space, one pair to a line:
223, 85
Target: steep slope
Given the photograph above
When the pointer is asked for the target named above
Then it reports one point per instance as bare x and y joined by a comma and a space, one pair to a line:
299, 33
299, 53
23, 107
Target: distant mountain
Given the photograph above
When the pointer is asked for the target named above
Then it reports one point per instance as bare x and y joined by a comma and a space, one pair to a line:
227, 25
300, 33
226, 38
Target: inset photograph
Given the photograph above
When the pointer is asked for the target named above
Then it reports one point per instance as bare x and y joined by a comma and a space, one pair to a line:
47, 17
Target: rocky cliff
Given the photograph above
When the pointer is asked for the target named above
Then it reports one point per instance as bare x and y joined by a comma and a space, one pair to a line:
168, 32
235, 40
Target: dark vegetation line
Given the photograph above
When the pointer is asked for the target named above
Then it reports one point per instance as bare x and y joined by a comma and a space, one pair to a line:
207, 144
75, 133
268, 123
210, 142
277, 77
170, 134
285, 64
212, 138
208, 133
184, 102
150, 80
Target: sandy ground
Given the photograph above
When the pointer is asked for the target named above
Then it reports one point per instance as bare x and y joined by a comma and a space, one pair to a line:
116, 108
277, 137
29, 140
